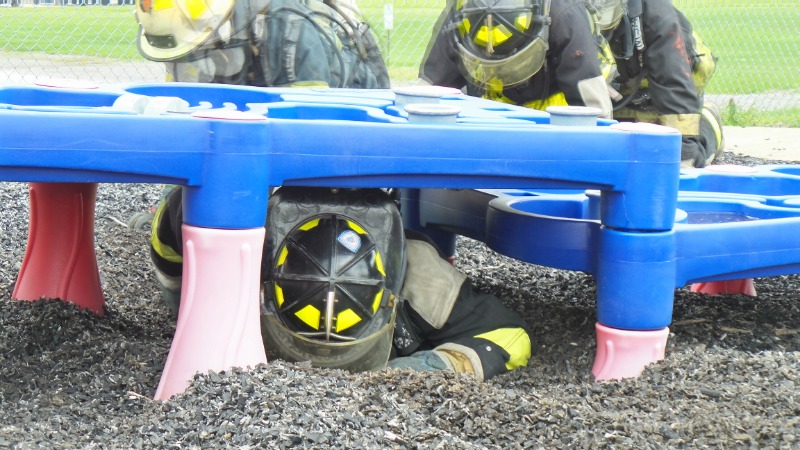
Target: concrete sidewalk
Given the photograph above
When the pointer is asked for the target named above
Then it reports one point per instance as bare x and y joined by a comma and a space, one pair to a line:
782, 144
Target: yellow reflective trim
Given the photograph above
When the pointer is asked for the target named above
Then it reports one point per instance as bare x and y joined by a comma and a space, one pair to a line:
498, 35
196, 8
346, 319
687, 124
557, 99
282, 256
309, 225
308, 84
608, 64
279, 299
715, 125
353, 226
523, 21
379, 263
310, 316
464, 27
163, 250
376, 302
515, 341
162, 4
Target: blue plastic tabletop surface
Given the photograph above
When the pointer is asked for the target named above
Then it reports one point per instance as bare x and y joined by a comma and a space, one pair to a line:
231, 143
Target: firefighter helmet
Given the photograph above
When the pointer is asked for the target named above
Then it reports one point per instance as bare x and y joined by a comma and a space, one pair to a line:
333, 266
171, 29
501, 40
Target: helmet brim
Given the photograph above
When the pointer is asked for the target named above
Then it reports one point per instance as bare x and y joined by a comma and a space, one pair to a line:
370, 353
177, 51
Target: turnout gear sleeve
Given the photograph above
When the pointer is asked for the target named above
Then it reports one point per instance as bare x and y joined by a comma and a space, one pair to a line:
573, 57
667, 59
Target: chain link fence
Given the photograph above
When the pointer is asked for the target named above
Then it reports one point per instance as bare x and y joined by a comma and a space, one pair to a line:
757, 43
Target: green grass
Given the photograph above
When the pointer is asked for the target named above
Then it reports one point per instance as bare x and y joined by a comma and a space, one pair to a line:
734, 116
104, 31
757, 42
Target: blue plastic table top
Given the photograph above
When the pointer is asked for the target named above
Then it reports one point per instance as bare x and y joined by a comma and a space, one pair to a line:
231, 143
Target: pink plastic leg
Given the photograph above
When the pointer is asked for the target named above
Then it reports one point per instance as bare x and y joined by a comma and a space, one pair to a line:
625, 353
60, 260
218, 322
744, 286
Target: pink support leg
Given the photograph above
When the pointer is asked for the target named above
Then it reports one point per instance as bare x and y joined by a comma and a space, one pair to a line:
219, 319
60, 260
744, 286
625, 353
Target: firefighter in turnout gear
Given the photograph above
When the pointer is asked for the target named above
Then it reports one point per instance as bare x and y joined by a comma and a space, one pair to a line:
664, 68
262, 42
344, 286
534, 53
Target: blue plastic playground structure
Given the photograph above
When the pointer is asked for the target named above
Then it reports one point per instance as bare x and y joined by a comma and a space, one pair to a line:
602, 198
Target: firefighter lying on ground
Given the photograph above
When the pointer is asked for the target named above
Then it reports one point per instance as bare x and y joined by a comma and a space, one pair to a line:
345, 286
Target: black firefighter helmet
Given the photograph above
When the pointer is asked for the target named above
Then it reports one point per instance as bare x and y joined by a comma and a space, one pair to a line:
501, 41
334, 263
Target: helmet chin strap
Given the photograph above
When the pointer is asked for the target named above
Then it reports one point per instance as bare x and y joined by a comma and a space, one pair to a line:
330, 299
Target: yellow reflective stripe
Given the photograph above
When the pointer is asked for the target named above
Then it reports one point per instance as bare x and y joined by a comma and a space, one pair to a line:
376, 302
498, 35
354, 226
279, 299
346, 319
687, 124
282, 257
715, 125
310, 316
494, 91
557, 99
629, 114
523, 21
308, 84
309, 225
608, 64
515, 341
379, 263
163, 250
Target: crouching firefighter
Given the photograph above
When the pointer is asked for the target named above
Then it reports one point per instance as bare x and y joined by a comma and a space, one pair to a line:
344, 286
262, 42
663, 69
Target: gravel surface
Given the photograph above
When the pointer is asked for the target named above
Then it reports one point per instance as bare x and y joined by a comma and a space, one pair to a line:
72, 380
